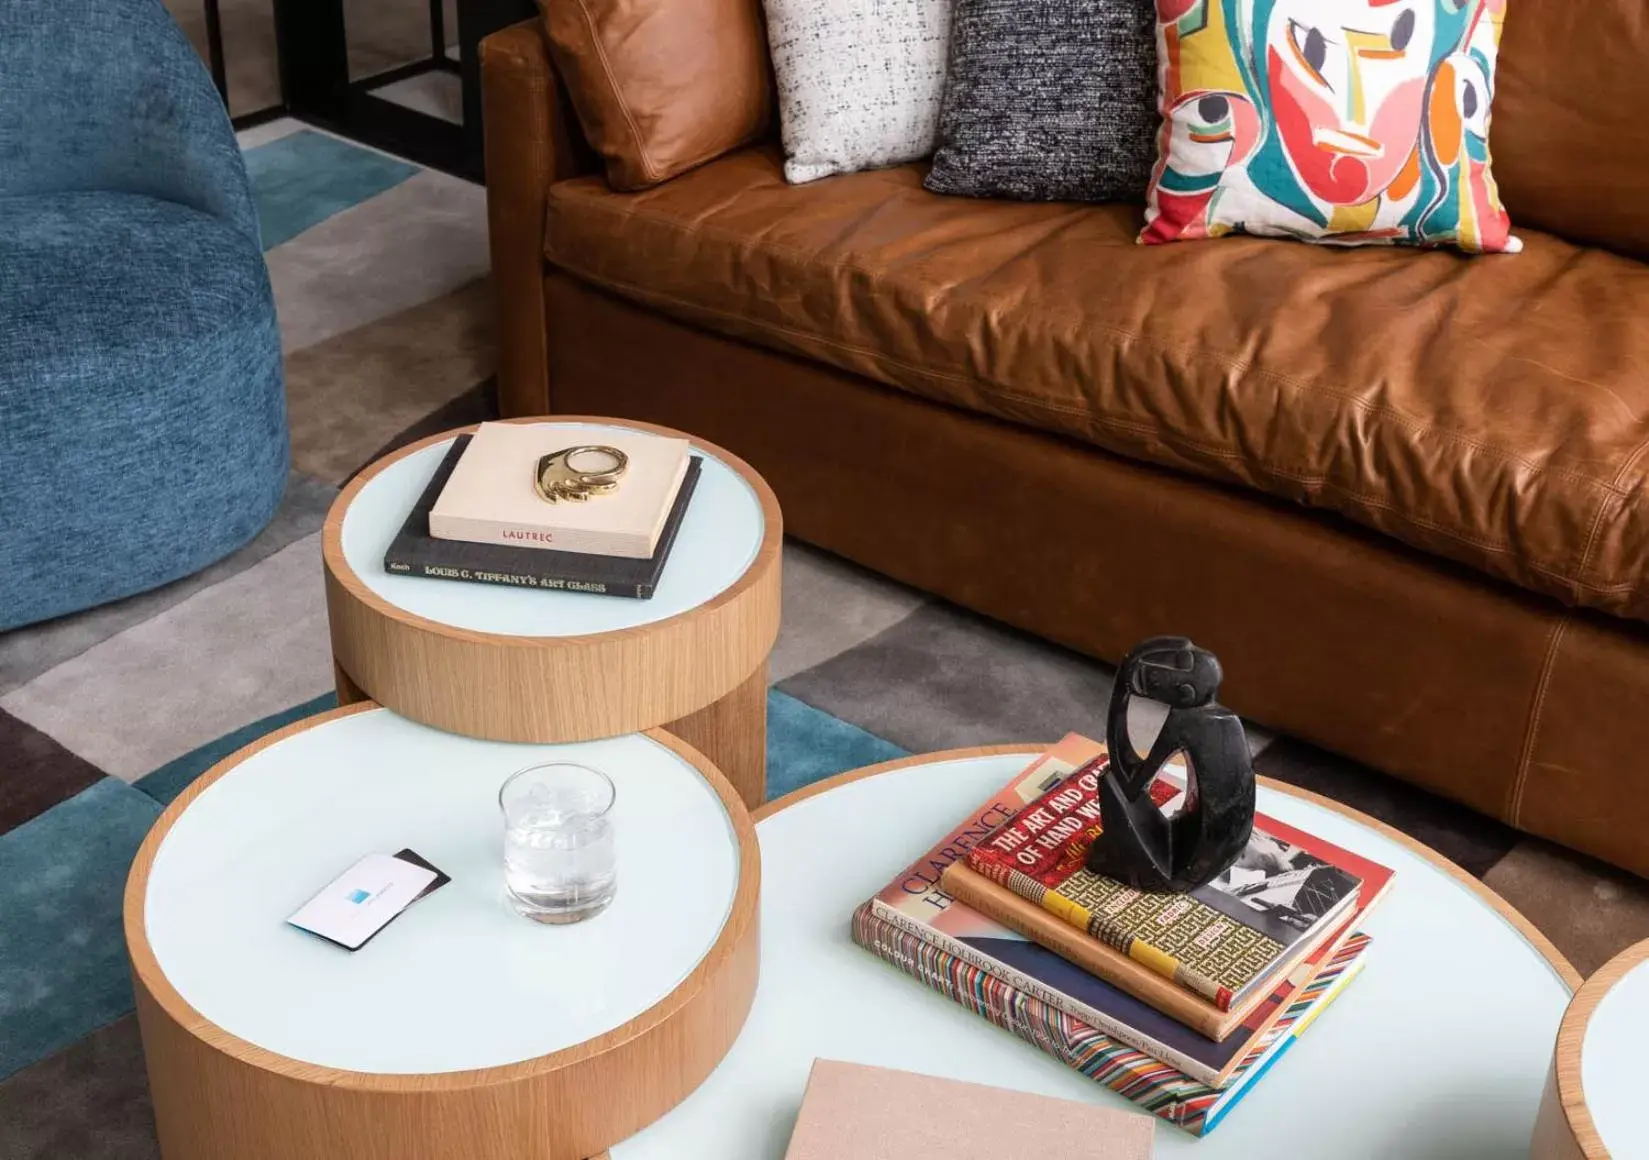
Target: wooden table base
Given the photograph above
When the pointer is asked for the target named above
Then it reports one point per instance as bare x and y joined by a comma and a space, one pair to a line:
1565, 1129
349, 693
215, 1104
731, 732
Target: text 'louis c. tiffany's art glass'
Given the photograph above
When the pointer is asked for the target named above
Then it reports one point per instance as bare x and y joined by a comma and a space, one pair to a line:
1349, 121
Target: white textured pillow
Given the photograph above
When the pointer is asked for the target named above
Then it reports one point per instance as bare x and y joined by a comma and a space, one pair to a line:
859, 81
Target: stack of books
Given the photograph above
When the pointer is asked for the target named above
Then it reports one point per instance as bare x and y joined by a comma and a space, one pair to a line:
1179, 1002
481, 519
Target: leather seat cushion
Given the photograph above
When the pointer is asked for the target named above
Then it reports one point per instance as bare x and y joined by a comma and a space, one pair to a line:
1493, 410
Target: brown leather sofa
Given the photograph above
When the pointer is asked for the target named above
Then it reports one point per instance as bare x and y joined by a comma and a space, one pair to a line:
1401, 494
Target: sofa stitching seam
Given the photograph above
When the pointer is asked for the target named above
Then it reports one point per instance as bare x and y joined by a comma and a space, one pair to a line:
1520, 782
1531, 734
1413, 426
648, 168
1597, 524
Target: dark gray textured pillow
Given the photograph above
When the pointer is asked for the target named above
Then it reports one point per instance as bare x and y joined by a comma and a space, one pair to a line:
1049, 100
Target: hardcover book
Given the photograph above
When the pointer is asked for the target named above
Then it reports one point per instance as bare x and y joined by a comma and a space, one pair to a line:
855, 1112
1154, 1086
415, 552
1157, 1033
490, 497
1131, 1002
1223, 940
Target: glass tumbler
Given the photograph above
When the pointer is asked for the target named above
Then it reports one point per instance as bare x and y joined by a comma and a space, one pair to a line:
558, 841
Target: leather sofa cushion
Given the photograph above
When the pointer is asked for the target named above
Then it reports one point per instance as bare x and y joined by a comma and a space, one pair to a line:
1493, 410
662, 85
1568, 120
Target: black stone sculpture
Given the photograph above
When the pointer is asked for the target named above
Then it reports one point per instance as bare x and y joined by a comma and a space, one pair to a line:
1138, 844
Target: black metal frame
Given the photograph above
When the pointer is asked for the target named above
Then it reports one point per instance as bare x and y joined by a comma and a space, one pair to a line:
214, 49
312, 47
315, 80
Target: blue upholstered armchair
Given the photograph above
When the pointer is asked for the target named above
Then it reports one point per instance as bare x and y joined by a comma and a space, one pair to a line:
142, 411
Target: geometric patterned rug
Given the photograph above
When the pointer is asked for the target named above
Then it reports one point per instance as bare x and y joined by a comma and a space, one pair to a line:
380, 272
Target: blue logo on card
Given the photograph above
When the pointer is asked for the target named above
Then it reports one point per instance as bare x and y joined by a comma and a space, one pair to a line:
358, 896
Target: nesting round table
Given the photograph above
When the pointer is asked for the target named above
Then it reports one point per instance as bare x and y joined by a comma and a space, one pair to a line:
1591, 1110
511, 664
464, 1032
461, 1031
1438, 1049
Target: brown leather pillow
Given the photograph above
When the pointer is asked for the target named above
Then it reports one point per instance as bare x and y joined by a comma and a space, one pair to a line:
1568, 110
661, 86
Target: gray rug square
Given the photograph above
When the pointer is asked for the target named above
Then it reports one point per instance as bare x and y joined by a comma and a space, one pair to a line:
830, 606
942, 678
28, 652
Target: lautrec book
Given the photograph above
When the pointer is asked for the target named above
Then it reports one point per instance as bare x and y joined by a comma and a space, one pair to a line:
490, 497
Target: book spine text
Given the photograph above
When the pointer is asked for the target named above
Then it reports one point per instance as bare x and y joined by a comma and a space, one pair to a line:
517, 579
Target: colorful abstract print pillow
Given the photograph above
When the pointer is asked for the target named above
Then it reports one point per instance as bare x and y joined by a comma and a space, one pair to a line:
1346, 121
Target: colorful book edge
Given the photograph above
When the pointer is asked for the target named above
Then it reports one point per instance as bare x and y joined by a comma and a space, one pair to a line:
1154, 1086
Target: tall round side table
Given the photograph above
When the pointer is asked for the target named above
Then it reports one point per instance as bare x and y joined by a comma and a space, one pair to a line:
461, 1030
1593, 1106
510, 664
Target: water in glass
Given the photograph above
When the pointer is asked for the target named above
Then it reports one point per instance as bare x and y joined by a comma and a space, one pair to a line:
558, 842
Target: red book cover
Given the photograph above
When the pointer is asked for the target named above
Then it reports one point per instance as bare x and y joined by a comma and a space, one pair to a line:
1195, 1036
1220, 941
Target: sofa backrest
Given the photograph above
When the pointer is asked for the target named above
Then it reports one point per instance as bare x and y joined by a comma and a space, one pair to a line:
1571, 152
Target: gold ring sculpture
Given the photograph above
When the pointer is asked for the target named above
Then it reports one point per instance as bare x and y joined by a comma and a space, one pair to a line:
556, 479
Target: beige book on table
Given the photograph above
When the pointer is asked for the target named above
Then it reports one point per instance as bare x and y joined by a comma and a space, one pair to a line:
855, 1112
492, 498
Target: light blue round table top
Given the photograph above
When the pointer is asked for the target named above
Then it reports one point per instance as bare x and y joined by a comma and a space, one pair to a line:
460, 980
1613, 1070
719, 538
1440, 1048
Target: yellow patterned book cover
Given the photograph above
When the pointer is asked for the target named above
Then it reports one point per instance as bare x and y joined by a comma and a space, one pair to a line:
1220, 941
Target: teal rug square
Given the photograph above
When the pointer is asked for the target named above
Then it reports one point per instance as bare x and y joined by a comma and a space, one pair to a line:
304, 178
805, 744
63, 971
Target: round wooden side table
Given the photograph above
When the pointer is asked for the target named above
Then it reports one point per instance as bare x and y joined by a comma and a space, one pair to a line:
1592, 1108
511, 664
461, 1031
1438, 1049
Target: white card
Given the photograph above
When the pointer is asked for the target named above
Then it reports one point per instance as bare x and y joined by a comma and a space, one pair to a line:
362, 899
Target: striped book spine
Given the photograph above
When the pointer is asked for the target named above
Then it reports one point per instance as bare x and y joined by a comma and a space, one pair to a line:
1156, 1087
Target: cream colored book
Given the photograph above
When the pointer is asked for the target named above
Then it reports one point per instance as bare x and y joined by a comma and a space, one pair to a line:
492, 498
856, 1112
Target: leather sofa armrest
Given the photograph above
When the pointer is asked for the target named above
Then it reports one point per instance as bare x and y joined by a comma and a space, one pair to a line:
532, 141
